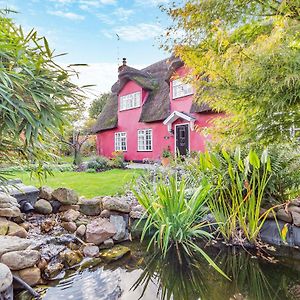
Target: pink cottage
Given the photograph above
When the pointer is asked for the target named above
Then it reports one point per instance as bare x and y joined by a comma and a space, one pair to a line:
151, 110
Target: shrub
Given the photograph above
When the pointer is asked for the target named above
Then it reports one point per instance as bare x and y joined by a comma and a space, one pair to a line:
99, 164
91, 171
117, 160
174, 220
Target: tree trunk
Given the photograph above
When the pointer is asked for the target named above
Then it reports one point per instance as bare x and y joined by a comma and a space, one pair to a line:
77, 156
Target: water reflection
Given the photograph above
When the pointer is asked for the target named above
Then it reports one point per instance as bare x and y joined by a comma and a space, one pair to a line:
251, 278
150, 277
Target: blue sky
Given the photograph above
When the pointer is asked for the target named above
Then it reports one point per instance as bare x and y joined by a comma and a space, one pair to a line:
87, 30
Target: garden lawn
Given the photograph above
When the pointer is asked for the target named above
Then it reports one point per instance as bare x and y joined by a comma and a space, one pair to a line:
86, 184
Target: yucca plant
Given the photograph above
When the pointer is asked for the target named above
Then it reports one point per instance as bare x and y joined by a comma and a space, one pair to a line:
174, 220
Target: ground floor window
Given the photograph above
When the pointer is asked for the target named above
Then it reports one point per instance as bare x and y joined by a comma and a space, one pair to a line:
120, 141
145, 140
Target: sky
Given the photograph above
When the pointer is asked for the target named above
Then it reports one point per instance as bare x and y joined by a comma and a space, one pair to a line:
96, 32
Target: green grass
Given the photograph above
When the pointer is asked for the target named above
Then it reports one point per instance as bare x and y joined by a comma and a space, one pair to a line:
86, 184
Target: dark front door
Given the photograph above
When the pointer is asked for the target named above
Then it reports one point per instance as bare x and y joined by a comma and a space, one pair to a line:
182, 139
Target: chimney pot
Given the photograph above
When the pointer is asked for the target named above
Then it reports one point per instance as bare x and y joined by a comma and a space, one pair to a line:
124, 61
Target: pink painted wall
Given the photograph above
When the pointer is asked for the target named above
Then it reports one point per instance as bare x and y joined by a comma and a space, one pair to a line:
128, 121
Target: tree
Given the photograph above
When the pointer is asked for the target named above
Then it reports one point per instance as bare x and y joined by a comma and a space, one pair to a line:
36, 96
97, 105
247, 53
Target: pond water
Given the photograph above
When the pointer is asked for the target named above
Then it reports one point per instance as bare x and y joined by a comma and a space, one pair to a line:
150, 277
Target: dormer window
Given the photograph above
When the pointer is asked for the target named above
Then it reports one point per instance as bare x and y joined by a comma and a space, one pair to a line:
130, 101
181, 89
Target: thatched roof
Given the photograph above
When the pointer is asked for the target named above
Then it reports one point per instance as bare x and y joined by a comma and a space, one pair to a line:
108, 119
155, 79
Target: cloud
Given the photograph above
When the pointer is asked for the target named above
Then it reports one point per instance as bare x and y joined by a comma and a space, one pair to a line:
67, 15
134, 33
151, 2
102, 75
106, 19
122, 13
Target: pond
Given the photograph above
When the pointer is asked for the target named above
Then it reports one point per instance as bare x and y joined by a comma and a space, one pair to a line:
149, 277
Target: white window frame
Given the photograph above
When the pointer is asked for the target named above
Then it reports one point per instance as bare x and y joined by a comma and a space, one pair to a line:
130, 101
144, 147
118, 141
181, 89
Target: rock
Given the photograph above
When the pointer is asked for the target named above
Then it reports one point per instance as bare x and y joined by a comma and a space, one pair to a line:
296, 218
136, 228
90, 207
65, 196
284, 216
6, 278
99, 230
56, 205
26, 225
105, 213
18, 260
120, 226
3, 226
81, 230
72, 258
91, 251
31, 276
270, 215
48, 225
294, 208
42, 206
53, 269
42, 264
71, 215
295, 202
64, 208
69, 226
13, 243
46, 193
16, 230
117, 204
138, 212
109, 243
9, 206
114, 253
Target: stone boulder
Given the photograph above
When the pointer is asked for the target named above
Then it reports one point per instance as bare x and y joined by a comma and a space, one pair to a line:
138, 212
99, 230
116, 204
6, 278
114, 253
3, 226
9, 206
120, 226
90, 207
70, 215
31, 276
13, 243
44, 207
91, 251
284, 216
65, 196
46, 193
69, 226
296, 218
72, 258
81, 230
16, 230
18, 260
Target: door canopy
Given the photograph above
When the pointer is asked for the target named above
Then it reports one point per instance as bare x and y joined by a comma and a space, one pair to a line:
175, 115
